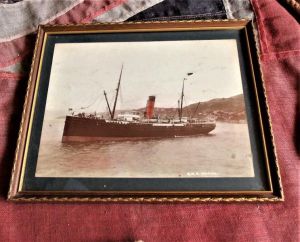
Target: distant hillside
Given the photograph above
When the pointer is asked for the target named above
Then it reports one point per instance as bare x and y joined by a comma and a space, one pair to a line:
233, 104
223, 109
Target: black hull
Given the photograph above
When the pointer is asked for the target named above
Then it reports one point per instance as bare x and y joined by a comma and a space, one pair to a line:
90, 129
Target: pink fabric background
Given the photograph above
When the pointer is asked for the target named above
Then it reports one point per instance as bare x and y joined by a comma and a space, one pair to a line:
279, 36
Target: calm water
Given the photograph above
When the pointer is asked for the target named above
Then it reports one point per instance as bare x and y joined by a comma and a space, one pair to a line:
225, 152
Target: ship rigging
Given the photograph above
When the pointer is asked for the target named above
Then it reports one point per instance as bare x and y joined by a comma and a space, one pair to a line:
131, 125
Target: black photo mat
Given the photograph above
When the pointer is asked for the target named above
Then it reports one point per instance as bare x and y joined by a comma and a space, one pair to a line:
257, 183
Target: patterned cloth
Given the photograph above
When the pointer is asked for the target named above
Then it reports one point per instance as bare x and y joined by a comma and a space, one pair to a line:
279, 40
16, 39
183, 9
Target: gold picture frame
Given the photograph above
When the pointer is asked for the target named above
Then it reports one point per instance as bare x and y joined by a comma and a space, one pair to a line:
42, 189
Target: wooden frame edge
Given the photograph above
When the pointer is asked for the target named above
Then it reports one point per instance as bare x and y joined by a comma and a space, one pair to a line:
21, 141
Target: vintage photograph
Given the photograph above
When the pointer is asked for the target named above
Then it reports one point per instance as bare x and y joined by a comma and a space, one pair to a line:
152, 109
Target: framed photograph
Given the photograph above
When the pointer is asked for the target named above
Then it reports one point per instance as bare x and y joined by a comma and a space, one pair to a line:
146, 112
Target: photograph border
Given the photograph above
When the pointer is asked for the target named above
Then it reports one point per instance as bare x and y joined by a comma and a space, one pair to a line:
275, 192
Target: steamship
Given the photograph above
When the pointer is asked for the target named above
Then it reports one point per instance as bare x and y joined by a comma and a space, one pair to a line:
132, 125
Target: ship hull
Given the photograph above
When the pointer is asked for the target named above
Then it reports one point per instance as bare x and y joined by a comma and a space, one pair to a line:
80, 129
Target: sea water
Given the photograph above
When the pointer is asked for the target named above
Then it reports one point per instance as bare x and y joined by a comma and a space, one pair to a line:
225, 152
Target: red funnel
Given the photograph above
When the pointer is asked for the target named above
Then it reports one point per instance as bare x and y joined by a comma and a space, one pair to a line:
150, 107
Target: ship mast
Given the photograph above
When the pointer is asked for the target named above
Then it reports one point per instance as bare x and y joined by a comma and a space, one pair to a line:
182, 95
108, 104
117, 93
195, 112
181, 101
178, 108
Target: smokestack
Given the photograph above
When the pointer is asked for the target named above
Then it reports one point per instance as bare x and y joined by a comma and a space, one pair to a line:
150, 107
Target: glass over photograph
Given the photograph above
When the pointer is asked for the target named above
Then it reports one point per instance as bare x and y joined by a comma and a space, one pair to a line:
153, 109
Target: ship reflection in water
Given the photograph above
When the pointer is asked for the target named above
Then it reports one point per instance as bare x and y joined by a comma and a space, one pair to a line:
225, 152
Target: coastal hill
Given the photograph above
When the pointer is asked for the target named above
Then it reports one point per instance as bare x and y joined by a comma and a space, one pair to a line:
233, 104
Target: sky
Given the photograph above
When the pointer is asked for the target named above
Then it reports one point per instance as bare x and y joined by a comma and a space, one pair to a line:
82, 71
